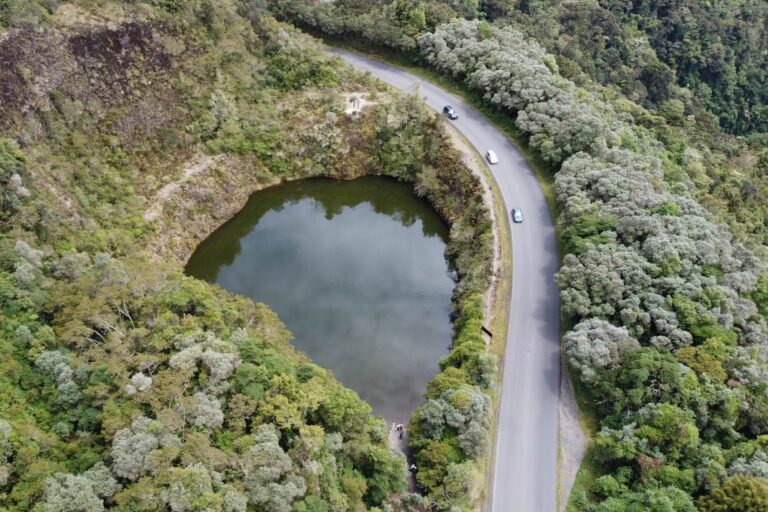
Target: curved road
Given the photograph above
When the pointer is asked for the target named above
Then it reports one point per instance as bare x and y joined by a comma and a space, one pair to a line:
525, 475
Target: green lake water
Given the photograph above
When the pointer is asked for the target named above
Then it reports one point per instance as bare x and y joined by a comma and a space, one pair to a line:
355, 269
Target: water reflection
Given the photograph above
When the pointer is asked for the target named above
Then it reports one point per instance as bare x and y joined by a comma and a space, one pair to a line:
356, 271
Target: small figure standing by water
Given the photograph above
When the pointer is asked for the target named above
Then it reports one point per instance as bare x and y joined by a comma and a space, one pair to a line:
401, 429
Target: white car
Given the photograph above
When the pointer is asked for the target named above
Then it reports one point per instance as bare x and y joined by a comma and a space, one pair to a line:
491, 157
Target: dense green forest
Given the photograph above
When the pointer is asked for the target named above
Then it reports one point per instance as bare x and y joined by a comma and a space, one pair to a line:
128, 132
711, 55
660, 212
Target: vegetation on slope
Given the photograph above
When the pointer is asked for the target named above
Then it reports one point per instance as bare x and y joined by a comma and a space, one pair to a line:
127, 385
710, 55
667, 308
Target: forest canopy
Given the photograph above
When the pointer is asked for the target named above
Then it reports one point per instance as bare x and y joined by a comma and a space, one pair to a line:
665, 334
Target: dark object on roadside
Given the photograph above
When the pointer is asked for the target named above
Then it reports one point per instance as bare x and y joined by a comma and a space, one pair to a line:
450, 112
422, 488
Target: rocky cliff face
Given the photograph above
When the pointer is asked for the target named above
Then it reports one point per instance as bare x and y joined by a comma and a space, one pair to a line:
84, 72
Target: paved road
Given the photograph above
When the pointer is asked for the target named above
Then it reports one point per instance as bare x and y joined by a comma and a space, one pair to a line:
525, 476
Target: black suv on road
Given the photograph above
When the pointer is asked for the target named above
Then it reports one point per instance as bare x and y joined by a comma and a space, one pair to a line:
450, 112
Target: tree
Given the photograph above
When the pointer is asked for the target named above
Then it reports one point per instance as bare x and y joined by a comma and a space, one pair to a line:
139, 384
494, 9
410, 16
12, 169
457, 487
594, 346
207, 412
668, 499
220, 365
343, 411
132, 447
78, 493
433, 458
738, 494
6, 451
463, 412
657, 77
647, 376
70, 493
449, 378
654, 430
234, 501
56, 364
587, 230
473, 440
756, 466
270, 482
190, 489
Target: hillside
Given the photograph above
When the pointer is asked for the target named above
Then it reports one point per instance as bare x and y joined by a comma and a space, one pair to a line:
710, 55
128, 132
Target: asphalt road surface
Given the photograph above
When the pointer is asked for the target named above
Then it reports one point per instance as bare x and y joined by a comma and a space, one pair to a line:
525, 474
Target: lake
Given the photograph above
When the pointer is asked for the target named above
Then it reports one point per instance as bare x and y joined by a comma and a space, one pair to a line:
355, 269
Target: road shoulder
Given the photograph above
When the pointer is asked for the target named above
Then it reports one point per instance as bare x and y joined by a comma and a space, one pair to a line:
573, 442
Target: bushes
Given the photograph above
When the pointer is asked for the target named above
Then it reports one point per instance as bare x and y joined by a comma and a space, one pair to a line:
290, 67
587, 230
451, 429
741, 493
667, 499
12, 189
